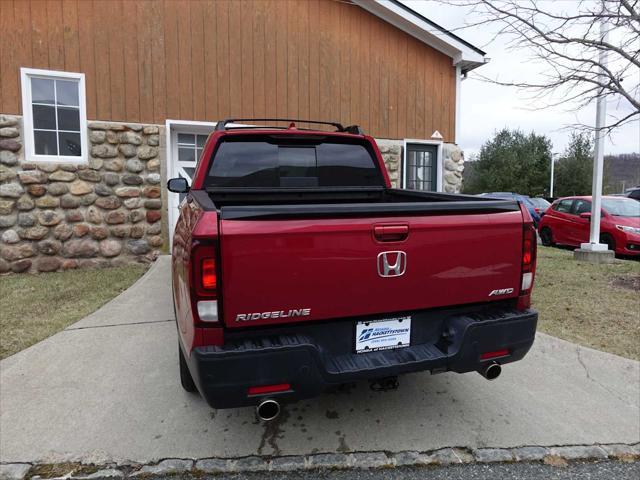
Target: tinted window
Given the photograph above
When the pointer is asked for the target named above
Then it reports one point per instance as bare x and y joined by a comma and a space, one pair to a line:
272, 163
563, 206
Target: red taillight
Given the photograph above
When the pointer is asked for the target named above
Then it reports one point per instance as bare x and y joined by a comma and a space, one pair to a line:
496, 354
264, 389
209, 273
528, 248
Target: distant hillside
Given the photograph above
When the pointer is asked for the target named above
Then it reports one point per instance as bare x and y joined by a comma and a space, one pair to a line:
621, 171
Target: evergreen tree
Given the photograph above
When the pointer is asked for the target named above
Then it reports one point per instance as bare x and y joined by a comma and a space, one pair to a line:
512, 162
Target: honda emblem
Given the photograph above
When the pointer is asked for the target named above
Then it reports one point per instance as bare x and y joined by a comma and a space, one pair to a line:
392, 264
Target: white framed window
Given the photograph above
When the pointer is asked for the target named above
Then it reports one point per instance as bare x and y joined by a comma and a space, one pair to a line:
422, 165
55, 116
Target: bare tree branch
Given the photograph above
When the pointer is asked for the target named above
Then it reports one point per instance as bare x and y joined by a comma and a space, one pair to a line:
565, 38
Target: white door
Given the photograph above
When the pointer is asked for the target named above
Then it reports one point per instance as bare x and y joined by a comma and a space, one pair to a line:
186, 142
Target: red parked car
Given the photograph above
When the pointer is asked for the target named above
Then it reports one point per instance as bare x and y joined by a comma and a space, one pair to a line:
296, 267
567, 222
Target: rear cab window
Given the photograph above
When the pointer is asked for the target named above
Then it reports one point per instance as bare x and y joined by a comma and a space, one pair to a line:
281, 161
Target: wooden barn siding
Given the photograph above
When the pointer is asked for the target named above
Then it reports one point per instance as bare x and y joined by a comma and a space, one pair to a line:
148, 60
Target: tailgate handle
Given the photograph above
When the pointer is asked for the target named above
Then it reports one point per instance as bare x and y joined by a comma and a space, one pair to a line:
391, 233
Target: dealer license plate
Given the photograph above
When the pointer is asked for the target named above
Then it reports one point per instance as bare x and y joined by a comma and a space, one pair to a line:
383, 334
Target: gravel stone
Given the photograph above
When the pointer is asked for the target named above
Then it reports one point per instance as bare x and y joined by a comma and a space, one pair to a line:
154, 229
8, 121
115, 217
146, 152
9, 132
11, 190
120, 231
153, 216
529, 454
12, 146
21, 266
131, 179
153, 140
73, 216
153, 204
136, 216
62, 176
114, 165
104, 151
128, 192
94, 215
151, 192
84, 248
17, 252
109, 203
4, 268
25, 203
63, 231
14, 471
134, 165
490, 455
34, 233
48, 264
137, 231
130, 137
153, 165
47, 202
69, 201
213, 465
150, 130
111, 179
6, 206
26, 219
49, 246
37, 190
32, 176
7, 174
57, 188
97, 136
620, 451
90, 175
10, 237
80, 187
110, 248
288, 464
329, 460
371, 460
101, 474
81, 229
102, 190
48, 218
153, 178
88, 199
127, 150
132, 203
579, 452
8, 158
138, 247
98, 232
165, 467
8, 220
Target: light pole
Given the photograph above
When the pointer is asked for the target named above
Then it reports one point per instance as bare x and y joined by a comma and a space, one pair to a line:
553, 161
595, 251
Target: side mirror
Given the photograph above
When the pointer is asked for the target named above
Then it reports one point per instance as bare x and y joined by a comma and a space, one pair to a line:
586, 215
178, 185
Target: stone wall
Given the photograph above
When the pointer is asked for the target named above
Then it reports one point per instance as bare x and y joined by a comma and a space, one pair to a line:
452, 163
107, 211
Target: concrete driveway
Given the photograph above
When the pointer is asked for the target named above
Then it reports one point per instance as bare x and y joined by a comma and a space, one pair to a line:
106, 389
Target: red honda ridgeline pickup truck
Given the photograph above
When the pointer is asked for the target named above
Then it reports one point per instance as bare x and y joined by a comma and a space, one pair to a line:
297, 267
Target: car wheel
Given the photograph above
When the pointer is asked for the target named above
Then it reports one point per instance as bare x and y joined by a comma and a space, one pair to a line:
546, 237
609, 241
185, 375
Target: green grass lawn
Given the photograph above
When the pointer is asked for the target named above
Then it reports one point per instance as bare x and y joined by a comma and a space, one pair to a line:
34, 307
594, 305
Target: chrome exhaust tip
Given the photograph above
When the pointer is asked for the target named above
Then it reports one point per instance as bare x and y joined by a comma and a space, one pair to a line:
267, 410
491, 371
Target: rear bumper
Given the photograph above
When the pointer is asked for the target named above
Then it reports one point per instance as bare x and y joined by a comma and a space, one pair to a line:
305, 360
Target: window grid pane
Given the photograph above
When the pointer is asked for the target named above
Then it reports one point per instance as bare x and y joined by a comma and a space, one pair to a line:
56, 116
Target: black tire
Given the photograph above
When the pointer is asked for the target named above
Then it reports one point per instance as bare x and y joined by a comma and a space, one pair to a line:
546, 237
186, 380
609, 241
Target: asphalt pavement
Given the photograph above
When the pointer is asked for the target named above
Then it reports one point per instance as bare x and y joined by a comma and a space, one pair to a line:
106, 390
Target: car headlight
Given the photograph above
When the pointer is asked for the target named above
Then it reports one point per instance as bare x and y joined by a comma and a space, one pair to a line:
628, 229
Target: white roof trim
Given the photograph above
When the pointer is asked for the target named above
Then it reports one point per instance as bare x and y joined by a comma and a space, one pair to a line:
463, 54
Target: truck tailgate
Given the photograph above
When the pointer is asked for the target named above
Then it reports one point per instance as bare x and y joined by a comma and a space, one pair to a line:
279, 270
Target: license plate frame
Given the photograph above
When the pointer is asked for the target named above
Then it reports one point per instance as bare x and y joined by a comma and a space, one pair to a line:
383, 334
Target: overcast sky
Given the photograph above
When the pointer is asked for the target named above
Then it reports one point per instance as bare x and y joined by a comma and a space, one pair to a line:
487, 107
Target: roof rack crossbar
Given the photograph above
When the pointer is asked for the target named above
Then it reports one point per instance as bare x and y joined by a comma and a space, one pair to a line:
222, 125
